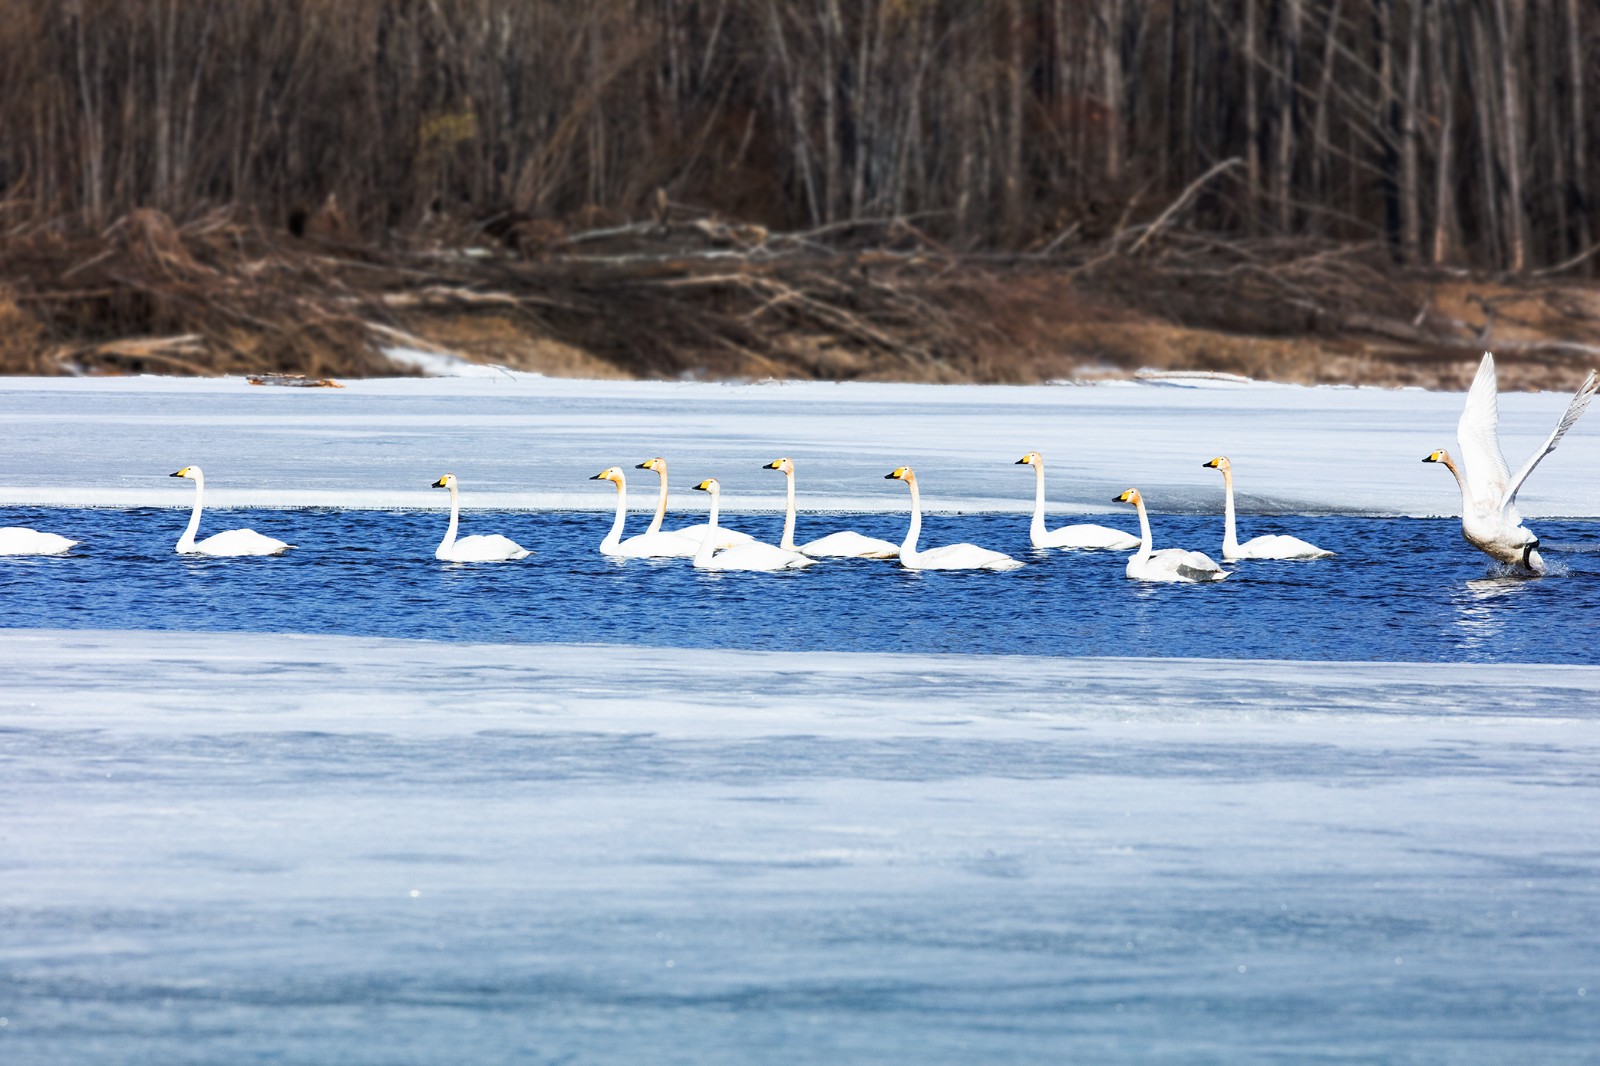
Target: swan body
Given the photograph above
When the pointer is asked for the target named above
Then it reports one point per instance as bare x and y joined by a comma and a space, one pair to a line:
1271, 546
844, 545
491, 548
232, 542
1489, 518
1168, 564
20, 540
949, 557
1084, 536
644, 545
751, 555
726, 538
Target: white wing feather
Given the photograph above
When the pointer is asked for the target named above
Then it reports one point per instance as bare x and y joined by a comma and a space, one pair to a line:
1478, 434
1580, 401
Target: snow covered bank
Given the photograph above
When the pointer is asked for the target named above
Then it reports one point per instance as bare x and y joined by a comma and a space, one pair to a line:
357, 850
521, 441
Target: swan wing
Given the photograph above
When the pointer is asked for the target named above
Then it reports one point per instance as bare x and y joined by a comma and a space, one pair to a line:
1580, 402
240, 542
1275, 546
657, 546
1088, 536
850, 545
487, 548
1478, 434
20, 540
964, 557
754, 555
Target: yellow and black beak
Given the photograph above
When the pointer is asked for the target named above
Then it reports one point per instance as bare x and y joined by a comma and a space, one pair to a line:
776, 464
185, 471
648, 464
704, 486
439, 484
1021, 462
1212, 462
601, 476
1431, 458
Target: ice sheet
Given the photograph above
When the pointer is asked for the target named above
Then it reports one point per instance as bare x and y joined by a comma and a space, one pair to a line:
522, 441
224, 847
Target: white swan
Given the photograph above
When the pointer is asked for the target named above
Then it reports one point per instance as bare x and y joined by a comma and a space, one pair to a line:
751, 555
1087, 535
1489, 518
20, 540
1168, 564
645, 545
1270, 546
726, 538
845, 545
491, 548
949, 557
228, 543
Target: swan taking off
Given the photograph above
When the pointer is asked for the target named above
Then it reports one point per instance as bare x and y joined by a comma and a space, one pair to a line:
229, 543
1271, 546
726, 538
950, 557
1168, 564
1489, 518
645, 545
492, 548
845, 545
751, 555
1079, 536
20, 540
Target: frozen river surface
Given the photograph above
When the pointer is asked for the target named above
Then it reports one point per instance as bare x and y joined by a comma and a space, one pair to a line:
635, 814
229, 848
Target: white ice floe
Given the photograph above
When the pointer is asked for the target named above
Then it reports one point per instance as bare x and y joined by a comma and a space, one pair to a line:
532, 442
360, 850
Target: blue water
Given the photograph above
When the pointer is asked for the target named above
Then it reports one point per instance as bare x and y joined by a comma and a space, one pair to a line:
1398, 590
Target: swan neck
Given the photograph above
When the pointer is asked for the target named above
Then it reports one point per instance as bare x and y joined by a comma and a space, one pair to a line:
1461, 482
1144, 531
787, 543
708, 543
186, 541
1230, 535
1036, 528
908, 548
661, 505
615, 536
455, 516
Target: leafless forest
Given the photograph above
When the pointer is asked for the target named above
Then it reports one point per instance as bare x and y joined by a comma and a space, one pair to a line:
825, 187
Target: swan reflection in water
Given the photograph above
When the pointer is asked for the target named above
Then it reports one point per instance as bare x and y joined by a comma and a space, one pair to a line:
1482, 608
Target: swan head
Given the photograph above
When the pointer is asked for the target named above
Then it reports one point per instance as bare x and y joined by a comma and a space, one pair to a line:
785, 464
1440, 456
190, 472
658, 464
1129, 496
900, 473
1219, 463
1031, 459
446, 482
612, 474
709, 485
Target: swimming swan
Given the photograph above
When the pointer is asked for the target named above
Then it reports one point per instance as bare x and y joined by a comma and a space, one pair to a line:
229, 543
20, 540
845, 545
1489, 518
492, 548
950, 557
1168, 564
645, 545
751, 555
1079, 536
1271, 546
726, 538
